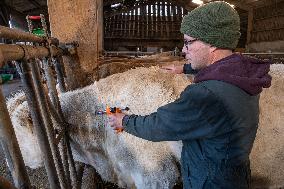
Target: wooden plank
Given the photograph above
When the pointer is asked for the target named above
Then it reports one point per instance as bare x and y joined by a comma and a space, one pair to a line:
163, 21
239, 4
175, 19
153, 19
149, 23
134, 25
172, 19
159, 19
168, 19
142, 20
125, 25
179, 13
138, 33
250, 25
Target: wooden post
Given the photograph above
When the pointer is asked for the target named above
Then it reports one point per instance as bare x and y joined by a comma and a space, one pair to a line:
80, 21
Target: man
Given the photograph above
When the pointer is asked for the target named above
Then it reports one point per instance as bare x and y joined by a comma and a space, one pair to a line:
216, 117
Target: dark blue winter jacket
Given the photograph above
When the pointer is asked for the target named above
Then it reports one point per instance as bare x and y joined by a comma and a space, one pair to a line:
216, 118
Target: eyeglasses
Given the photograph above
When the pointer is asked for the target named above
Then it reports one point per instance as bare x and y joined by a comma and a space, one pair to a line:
189, 42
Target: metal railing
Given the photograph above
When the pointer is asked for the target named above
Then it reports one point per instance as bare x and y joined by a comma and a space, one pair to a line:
58, 161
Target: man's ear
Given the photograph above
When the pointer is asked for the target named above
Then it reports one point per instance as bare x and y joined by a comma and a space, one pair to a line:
212, 49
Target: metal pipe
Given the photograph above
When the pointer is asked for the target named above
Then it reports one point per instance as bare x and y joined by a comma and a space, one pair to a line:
59, 73
18, 35
51, 83
56, 103
61, 138
73, 170
64, 155
37, 119
19, 52
80, 171
48, 123
11, 148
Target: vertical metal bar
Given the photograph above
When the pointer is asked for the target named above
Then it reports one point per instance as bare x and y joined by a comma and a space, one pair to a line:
56, 103
80, 171
29, 24
58, 64
48, 123
43, 23
51, 83
73, 170
62, 143
64, 154
11, 148
26, 77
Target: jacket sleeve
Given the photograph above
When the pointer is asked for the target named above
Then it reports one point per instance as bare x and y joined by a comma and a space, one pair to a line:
187, 69
196, 114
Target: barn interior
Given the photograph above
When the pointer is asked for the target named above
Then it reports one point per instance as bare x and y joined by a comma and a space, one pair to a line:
93, 39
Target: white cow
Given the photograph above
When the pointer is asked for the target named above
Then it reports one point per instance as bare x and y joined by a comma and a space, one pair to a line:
133, 162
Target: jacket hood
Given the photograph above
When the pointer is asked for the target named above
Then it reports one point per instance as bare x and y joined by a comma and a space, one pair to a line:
247, 73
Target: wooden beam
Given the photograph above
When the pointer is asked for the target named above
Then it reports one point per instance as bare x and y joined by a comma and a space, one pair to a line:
44, 8
262, 3
239, 4
122, 10
251, 1
35, 3
12, 9
188, 5
111, 2
250, 26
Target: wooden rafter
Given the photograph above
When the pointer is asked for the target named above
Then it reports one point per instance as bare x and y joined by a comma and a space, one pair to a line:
45, 8
35, 3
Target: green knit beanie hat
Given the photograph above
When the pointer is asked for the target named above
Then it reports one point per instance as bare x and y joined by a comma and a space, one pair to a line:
215, 23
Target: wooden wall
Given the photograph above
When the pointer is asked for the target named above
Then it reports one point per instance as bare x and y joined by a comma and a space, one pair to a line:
153, 22
268, 23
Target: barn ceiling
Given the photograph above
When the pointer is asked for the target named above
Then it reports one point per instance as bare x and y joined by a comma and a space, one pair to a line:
40, 6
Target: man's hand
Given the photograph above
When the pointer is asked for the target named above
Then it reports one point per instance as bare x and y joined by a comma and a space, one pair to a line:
177, 69
115, 121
